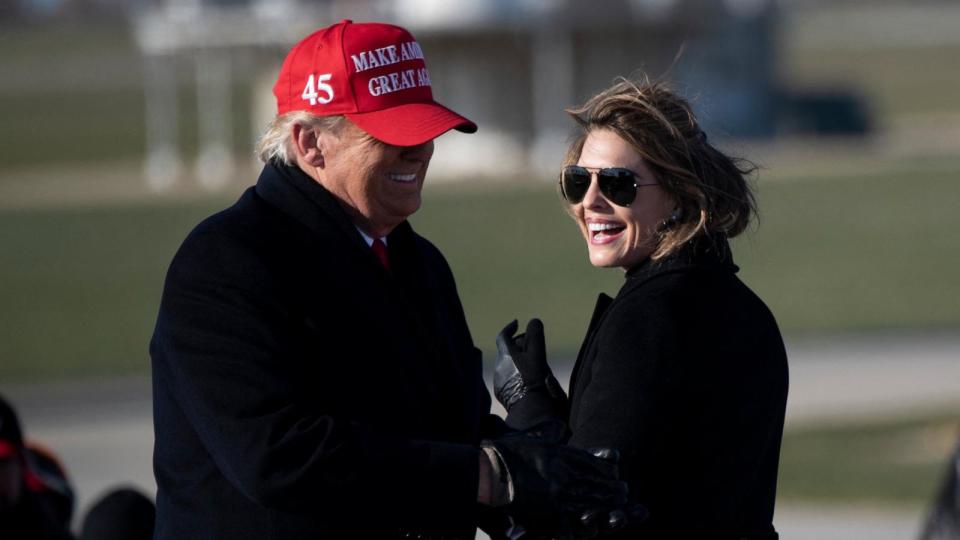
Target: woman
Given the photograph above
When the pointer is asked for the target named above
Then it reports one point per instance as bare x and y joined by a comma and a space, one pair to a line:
684, 372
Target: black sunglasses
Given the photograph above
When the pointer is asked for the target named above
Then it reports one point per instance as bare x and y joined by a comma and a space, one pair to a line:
617, 184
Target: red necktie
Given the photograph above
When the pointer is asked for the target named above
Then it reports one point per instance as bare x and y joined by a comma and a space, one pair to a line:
380, 250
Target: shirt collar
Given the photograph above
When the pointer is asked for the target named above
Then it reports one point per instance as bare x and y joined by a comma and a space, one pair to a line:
369, 239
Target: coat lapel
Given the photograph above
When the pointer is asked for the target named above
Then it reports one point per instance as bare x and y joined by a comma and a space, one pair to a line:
703, 251
603, 303
294, 193
408, 298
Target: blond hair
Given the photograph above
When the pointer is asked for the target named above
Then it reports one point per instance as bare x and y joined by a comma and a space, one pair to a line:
275, 143
709, 187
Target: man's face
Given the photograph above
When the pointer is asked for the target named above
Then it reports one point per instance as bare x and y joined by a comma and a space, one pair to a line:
379, 184
10, 482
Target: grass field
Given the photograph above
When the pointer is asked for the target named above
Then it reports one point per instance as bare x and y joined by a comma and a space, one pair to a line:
831, 254
79, 286
892, 463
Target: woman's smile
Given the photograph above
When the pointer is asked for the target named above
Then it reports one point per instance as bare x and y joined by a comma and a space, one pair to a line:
604, 231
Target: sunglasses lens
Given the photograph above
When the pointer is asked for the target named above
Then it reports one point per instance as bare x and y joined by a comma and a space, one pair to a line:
575, 181
618, 186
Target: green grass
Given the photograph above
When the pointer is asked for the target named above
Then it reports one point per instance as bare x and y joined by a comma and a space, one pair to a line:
831, 254
39, 128
893, 463
63, 42
79, 287
99, 125
864, 253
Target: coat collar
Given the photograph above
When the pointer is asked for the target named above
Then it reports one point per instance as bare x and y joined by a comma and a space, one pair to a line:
296, 194
710, 251
706, 251
291, 191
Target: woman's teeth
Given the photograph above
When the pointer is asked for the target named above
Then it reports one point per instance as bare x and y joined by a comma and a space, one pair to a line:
403, 177
602, 232
597, 227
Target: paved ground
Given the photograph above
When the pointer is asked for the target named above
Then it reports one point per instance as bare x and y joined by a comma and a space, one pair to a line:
103, 431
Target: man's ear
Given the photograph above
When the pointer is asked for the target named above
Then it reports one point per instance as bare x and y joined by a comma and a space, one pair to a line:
308, 145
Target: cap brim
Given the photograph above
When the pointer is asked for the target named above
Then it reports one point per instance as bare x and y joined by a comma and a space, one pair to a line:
411, 124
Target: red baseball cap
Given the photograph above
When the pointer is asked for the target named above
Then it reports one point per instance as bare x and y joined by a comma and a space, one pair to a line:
372, 73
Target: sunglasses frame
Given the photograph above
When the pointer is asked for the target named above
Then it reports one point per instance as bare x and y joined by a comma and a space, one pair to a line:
598, 172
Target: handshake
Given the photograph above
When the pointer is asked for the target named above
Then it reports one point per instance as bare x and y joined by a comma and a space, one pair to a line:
549, 490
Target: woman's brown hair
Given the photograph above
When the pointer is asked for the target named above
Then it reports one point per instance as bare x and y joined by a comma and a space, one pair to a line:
710, 188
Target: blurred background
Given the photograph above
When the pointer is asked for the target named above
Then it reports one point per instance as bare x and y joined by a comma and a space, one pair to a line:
125, 123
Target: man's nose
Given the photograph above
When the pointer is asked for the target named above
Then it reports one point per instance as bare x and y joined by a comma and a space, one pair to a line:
420, 152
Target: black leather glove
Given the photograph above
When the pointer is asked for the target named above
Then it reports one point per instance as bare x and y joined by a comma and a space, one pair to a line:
552, 482
594, 522
601, 521
522, 380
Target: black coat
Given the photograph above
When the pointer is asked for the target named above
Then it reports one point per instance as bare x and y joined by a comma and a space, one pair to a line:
685, 373
301, 390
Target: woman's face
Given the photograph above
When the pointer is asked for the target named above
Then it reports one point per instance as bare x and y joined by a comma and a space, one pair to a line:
617, 235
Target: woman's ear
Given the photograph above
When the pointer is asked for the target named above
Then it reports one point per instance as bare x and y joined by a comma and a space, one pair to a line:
308, 145
675, 217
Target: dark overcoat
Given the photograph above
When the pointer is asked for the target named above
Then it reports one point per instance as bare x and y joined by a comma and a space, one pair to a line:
303, 391
685, 373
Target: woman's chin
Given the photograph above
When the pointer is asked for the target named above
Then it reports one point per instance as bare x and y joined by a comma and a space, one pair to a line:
603, 259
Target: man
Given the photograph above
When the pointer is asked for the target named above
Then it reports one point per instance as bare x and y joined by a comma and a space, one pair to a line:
313, 372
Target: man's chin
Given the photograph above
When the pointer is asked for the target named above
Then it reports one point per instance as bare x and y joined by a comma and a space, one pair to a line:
403, 211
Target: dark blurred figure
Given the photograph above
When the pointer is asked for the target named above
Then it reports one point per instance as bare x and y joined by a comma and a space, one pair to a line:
36, 502
55, 488
944, 520
122, 514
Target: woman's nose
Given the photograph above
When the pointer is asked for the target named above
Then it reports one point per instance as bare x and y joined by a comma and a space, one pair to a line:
593, 198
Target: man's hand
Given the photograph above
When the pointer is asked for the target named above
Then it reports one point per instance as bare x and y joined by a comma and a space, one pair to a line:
523, 382
595, 522
550, 481
603, 520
